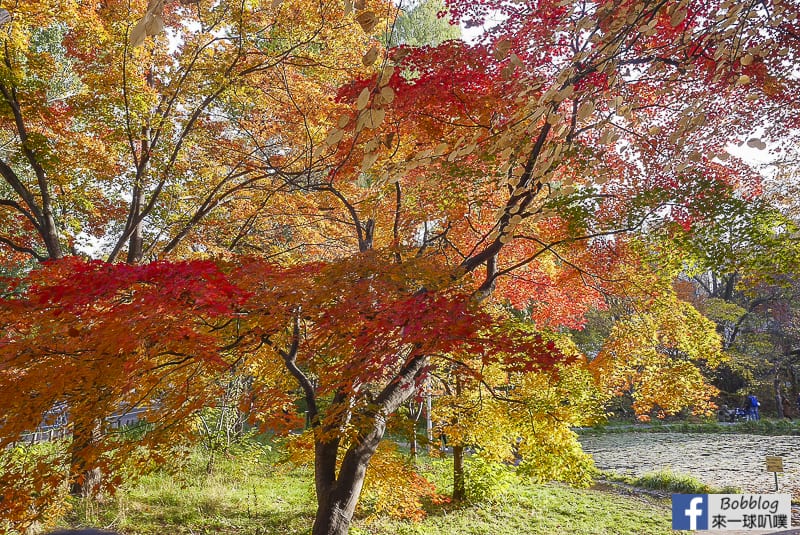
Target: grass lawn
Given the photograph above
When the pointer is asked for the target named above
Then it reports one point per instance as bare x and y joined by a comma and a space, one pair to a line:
543, 510
250, 495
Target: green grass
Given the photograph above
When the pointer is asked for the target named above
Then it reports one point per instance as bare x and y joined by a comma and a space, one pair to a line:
244, 495
250, 495
541, 510
670, 481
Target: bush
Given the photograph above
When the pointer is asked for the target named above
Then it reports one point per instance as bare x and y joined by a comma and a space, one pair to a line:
33, 488
486, 480
672, 482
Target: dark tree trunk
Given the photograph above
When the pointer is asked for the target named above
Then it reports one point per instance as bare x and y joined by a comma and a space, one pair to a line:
84, 476
415, 411
136, 241
50, 234
776, 382
428, 421
459, 488
337, 497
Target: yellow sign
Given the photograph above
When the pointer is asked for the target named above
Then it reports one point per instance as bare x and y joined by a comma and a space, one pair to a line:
774, 464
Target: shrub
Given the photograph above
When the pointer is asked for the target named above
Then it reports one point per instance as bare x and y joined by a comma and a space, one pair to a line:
486, 480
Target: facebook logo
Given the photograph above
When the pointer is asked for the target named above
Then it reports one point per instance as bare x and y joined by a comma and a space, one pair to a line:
690, 511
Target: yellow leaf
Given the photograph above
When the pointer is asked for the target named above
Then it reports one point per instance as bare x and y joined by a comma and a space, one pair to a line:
369, 160
678, 17
585, 110
138, 33
155, 25
370, 57
566, 93
387, 93
367, 20
363, 98
334, 137
376, 117
363, 117
501, 48
386, 75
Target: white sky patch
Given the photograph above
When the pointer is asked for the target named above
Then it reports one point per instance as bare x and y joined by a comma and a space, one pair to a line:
474, 34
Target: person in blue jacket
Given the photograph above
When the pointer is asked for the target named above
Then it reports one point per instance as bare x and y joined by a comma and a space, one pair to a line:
752, 406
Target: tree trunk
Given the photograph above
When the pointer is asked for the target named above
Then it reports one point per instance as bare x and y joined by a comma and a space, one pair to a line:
50, 233
136, 240
776, 382
428, 420
459, 488
84, 476
337, 498
794, 392
415, 411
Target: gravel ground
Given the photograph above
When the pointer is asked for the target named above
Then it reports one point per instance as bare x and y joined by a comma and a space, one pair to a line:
720, 460
716, 459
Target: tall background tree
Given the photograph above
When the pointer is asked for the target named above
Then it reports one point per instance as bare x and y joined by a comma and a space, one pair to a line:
422, 23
